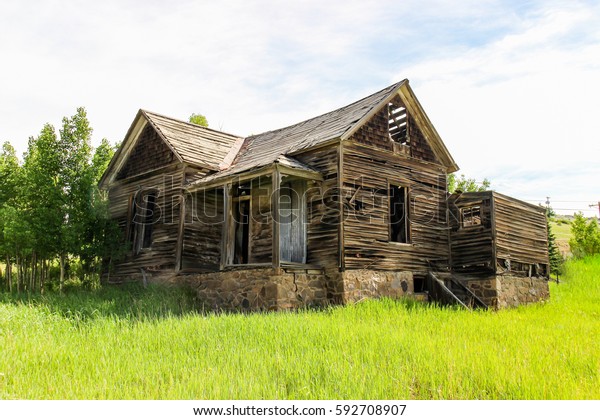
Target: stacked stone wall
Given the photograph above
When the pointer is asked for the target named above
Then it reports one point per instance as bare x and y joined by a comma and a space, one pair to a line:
259, 289
369, 284
515, 291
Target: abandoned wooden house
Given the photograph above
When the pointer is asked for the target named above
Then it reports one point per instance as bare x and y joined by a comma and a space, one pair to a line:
348, 205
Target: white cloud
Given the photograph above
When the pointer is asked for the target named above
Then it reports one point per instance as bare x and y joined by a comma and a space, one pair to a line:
509, 85
525, 104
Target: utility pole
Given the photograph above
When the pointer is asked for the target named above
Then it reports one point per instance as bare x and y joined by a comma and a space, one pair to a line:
596, 205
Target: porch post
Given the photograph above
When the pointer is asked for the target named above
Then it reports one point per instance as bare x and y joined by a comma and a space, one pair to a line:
227, 219
276, 181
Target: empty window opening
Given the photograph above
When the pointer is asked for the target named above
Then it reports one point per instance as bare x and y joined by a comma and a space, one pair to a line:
399, 229
143, 218
471, 216
241, 220
398, 123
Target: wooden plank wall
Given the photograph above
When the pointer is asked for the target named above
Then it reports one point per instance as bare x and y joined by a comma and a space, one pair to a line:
261, 226
161, 255
322, 200
521, 234
203, 230
149, 153
368, 172
471, 247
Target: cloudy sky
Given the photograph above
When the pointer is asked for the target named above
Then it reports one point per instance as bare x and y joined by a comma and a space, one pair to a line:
513, 87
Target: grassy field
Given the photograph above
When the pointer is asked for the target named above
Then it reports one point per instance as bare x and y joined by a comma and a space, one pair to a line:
151, 344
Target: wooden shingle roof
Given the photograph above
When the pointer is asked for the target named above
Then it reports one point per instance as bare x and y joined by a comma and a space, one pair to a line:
192, 143
228, 155
265, 148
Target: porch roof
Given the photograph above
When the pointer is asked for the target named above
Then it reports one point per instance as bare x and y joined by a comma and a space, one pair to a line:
285, 164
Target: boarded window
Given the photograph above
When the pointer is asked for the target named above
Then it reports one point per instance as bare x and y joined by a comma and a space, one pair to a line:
398, 123
399, 226
292, 221
143, 218
470, 216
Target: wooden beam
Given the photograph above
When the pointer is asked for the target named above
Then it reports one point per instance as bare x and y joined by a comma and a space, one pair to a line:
276, 180
227, 219
300, 173
180, 233
341, 247
264, 171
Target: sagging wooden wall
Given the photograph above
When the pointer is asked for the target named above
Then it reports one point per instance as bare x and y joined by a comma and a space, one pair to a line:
161, 254
368, 171
202, 231
521, 234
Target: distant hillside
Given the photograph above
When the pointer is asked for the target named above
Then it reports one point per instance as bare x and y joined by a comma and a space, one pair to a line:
561, 227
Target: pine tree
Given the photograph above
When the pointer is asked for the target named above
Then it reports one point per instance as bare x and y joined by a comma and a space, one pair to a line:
554, 254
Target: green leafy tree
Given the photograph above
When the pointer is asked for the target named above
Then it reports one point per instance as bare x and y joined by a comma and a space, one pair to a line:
465, 184
199, 119
43, 199
76, 179
10, 173
585, 236
102, 243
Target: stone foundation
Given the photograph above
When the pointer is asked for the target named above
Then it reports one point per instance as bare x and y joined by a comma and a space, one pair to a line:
281, 289
366, 284
259, 289
515, 291
485, 289
503, 291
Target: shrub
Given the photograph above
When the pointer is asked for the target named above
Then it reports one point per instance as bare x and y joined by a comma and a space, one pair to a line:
586, 237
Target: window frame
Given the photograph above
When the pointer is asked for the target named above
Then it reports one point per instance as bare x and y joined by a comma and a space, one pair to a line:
141, 233
392, 122
475, 221
404, 220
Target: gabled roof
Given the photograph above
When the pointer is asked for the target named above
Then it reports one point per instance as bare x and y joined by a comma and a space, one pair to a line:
263, 149
229, 155
190, 143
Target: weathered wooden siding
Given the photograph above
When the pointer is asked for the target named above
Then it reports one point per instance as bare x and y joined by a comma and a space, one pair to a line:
367, 173
149, 153
375, 133
261, 226
161, 255
521, 234
471, 247
203, 230
323, 206
419, 148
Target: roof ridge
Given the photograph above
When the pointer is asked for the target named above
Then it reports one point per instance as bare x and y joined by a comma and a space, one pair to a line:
190, 123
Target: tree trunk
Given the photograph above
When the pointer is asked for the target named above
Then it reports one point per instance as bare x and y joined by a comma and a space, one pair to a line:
43, 275
19, 272
62, 272
9, 273
32, 273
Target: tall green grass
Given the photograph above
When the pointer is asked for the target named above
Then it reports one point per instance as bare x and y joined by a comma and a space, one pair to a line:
152, 344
